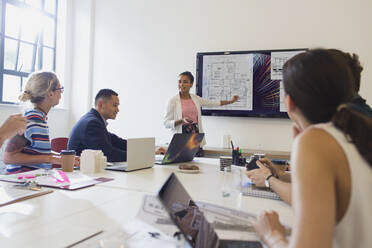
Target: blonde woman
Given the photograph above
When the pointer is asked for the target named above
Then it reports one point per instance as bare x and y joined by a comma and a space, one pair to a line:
32, 149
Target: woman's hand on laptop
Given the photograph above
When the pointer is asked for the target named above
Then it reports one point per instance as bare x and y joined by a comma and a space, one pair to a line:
160, 150
269, 229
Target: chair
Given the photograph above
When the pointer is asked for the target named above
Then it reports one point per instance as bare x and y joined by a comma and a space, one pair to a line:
57, 145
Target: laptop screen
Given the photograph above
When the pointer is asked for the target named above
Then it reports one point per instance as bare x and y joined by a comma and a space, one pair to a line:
183, 147
186, 214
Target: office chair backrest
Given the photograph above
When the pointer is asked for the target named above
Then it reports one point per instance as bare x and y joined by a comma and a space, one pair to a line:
59, 144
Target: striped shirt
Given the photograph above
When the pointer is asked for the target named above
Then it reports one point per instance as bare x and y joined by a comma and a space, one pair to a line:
37, 136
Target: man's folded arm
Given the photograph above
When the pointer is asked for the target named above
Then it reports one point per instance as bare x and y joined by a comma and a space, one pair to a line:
118, 142
96, 139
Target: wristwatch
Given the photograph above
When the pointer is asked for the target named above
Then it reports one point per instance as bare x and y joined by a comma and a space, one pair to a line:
267, 183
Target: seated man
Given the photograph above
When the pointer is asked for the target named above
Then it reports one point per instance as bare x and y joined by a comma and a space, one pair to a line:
90, 131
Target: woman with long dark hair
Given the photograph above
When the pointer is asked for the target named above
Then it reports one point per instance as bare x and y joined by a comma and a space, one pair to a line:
331, 157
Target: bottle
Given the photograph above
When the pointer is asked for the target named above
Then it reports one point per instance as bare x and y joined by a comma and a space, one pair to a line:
226, 188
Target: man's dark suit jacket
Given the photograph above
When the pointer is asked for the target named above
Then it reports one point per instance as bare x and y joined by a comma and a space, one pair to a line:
90, 132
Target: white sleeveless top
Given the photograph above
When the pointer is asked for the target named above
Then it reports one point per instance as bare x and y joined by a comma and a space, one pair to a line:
355, 228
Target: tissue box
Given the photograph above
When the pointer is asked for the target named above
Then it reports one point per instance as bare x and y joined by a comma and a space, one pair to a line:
92, 161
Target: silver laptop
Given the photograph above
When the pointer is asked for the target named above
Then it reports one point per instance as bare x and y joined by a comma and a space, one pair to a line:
140, 155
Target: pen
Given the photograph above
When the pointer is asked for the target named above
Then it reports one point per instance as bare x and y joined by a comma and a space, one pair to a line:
29, 176
154, 235
81, 241
232, 145
39, 175
247, 184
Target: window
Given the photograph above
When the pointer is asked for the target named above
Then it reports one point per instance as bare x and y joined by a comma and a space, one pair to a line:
27, 42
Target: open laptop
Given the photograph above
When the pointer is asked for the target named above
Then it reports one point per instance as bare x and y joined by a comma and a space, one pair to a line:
191, 221
182, 148
140, 155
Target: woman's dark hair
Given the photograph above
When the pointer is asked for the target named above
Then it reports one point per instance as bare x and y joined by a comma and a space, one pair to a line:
321, 84
188, 74
356, 69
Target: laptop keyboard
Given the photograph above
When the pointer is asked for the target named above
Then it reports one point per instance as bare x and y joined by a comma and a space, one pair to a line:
239, 244
119, 165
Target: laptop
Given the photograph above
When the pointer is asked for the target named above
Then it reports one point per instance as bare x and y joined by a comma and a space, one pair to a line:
182, 148
140, 155
183, 211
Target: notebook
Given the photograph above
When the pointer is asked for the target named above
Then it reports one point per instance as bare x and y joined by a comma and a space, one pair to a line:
190, 219
252, 190
9, 193
140, 155
182, 148
55, 179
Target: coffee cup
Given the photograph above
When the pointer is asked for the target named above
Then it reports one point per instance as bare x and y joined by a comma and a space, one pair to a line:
68, 160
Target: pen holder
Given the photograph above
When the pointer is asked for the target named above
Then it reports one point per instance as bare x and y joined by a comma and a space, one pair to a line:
235, 157
242, 161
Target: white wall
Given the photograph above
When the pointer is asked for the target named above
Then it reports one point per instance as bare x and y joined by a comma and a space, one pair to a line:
80, 57
140, 47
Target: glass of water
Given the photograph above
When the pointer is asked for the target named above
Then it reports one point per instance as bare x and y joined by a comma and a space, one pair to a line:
232, 180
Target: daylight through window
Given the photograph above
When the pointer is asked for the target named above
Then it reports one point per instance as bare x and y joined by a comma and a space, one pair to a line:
27, 42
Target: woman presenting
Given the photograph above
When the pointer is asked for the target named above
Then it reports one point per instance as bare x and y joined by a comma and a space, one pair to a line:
183, 113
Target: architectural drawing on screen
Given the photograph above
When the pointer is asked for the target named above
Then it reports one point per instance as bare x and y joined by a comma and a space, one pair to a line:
278, 59
226, 76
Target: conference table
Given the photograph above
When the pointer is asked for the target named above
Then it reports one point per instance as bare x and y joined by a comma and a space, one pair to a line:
63, 217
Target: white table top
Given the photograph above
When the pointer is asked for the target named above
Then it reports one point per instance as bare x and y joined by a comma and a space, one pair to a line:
64, 217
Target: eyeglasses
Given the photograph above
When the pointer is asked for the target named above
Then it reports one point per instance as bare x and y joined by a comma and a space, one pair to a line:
61, 89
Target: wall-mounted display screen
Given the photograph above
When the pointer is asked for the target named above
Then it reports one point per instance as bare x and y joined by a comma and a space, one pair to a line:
255, 76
